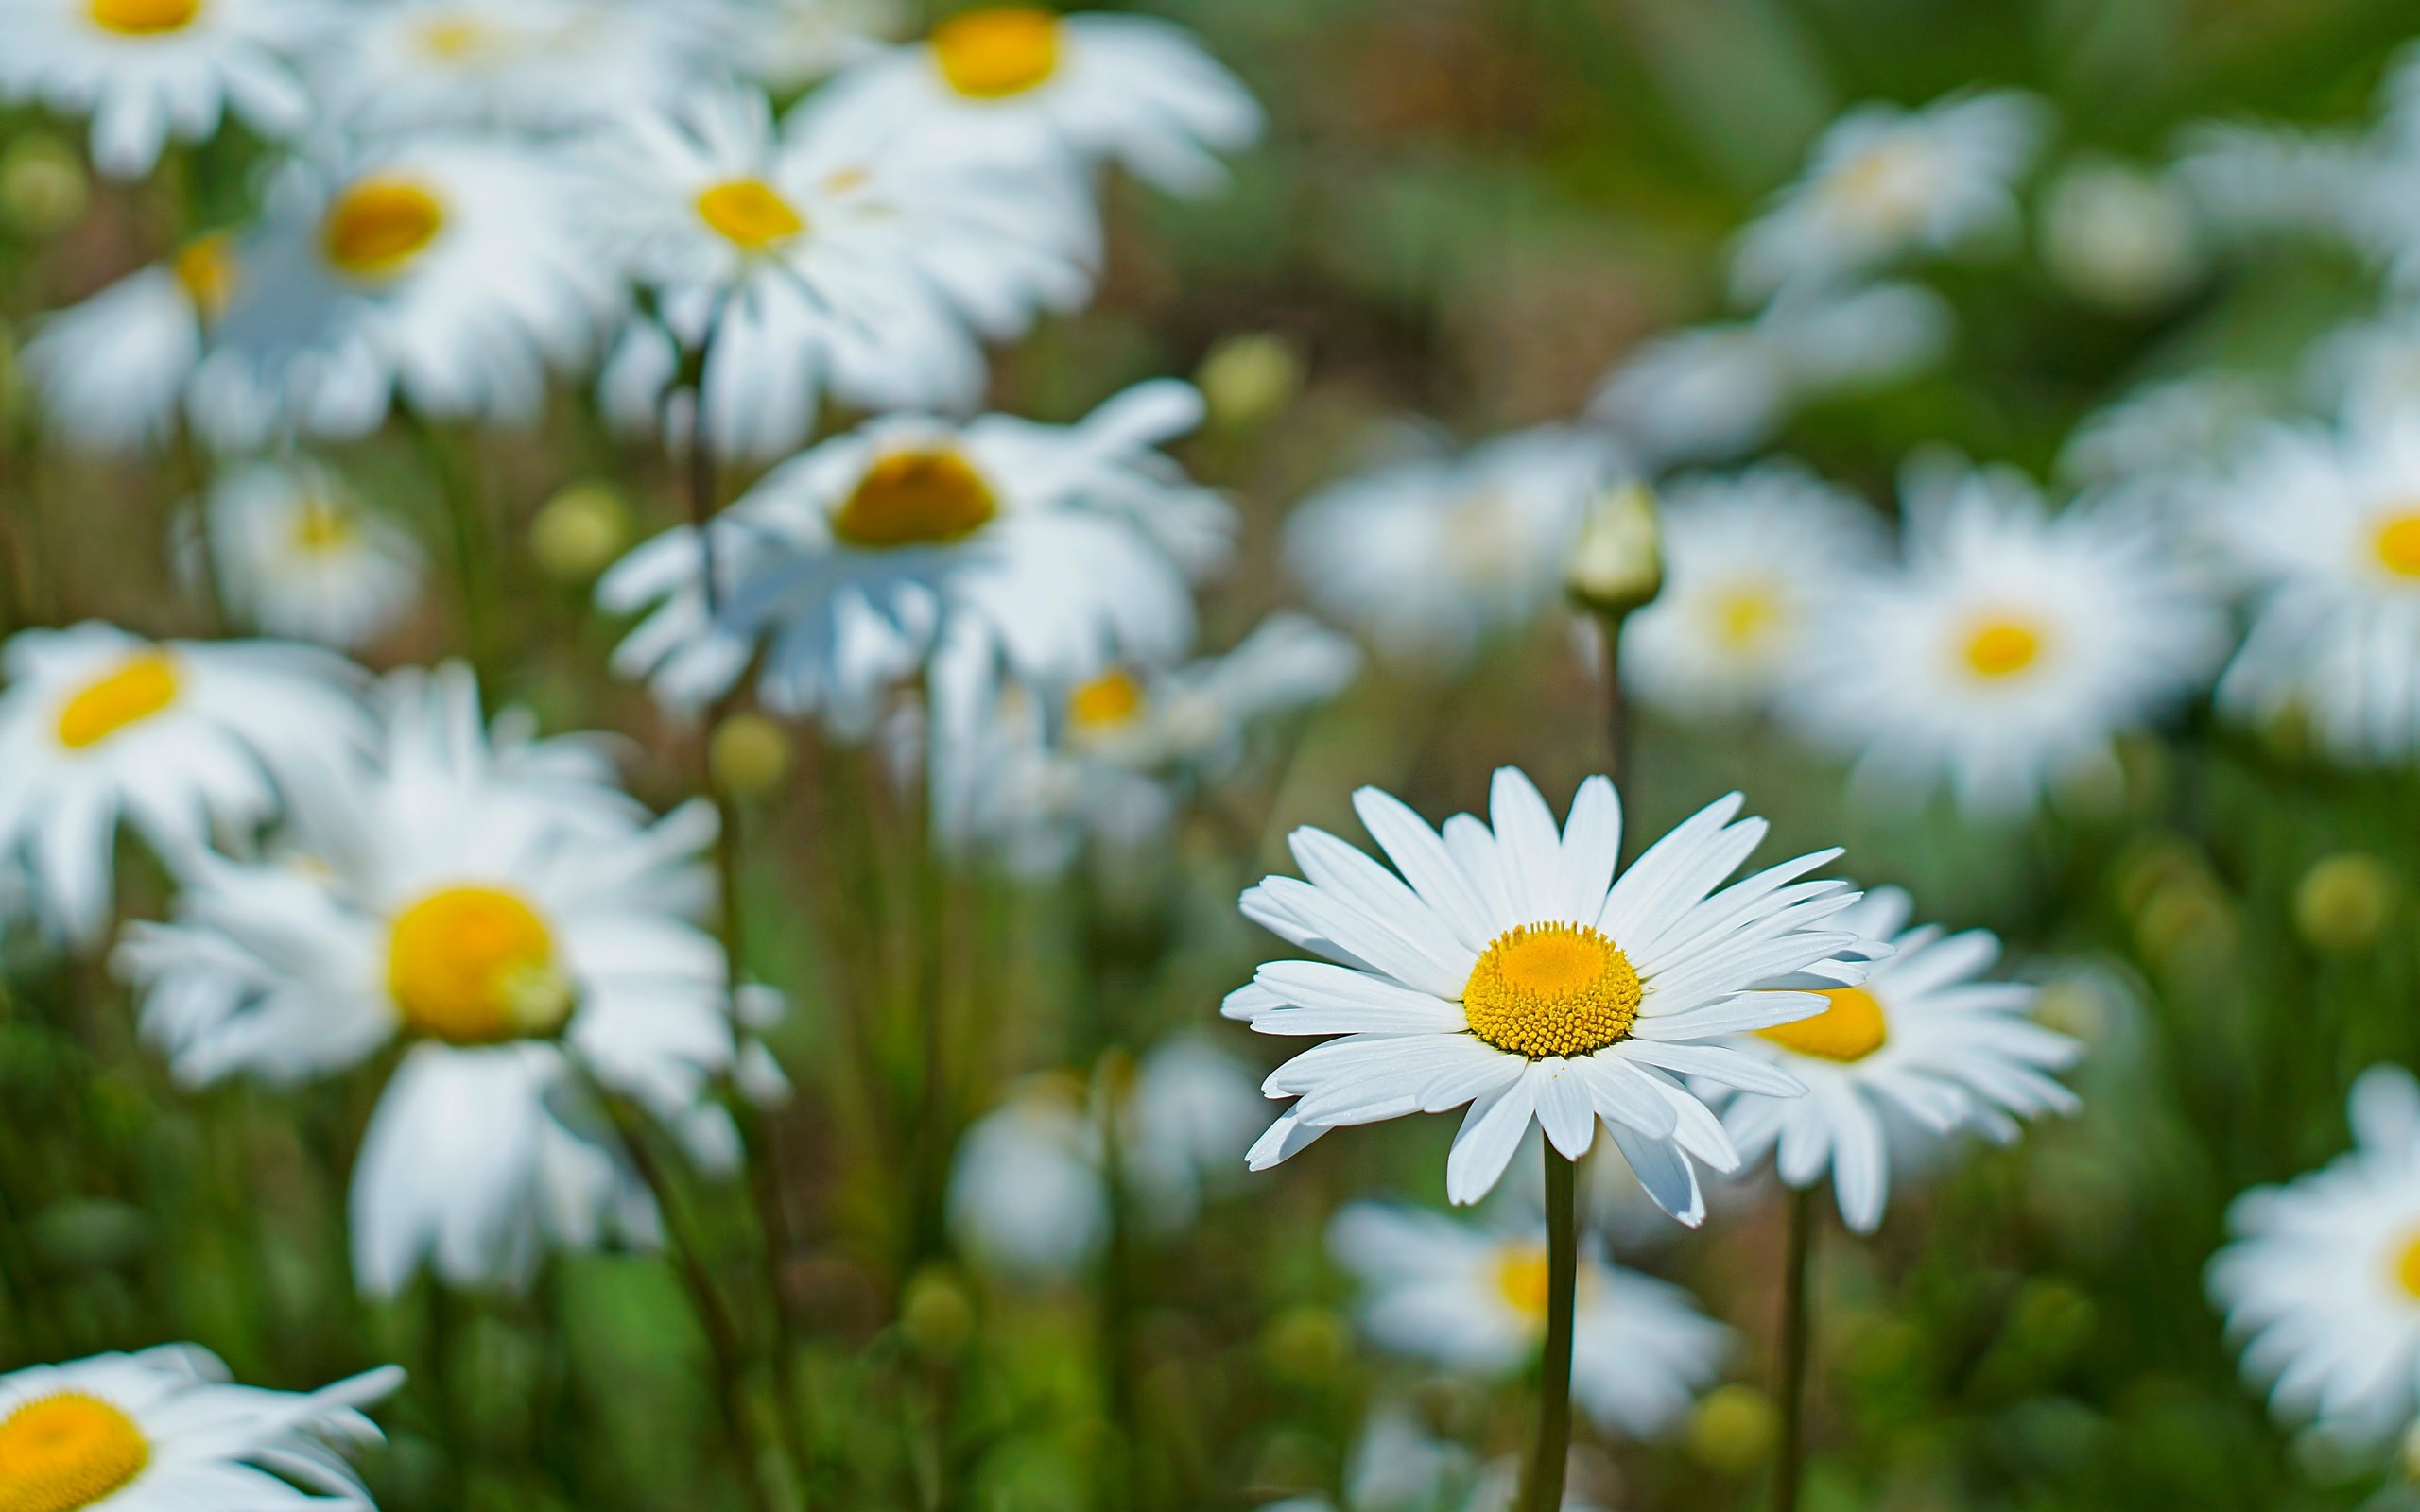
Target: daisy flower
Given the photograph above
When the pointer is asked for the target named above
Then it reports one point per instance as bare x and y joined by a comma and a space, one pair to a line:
2167, 429
113, 371
1429, 559
1921, 1048
2321, 1283
475, 900
2368, 371
1019, 83
2010, 648
1885, 182
1051, 550
182, 738
149, 70
1473, 1300
165, 1431
298, 554
787, 44
1509, 968
1747, 561
820, 260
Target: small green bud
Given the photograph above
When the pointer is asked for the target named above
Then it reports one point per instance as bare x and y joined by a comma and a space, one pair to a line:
2346, 900
1617, 563
937, 1315
44, 188
1307, 1343
1734, 1429
749, 754
578, 531
1246, 379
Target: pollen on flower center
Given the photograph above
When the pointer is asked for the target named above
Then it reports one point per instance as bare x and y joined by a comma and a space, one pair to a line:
206, 268
1107, 702
2406, 1266
1745, 616
378, 226
144, 18
69, 1451
918, 498
2001, 646
128, 694
750, 214
475, 965
998, 51
1551, 989
1851, 1027
321, 528
2398, 542
456, 38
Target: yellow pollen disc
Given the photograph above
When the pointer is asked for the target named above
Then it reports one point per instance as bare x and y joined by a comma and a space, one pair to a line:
320, 529
206, 268
1551, 989
131, 692
2407, 1267
144, 18
1850, 1029
2001, 647
476, 966
1106, 702
998, 51
378, 226
750, 214
456, 38
1521, 1276
916, 499
2398, 543
57, 1454
1745, 617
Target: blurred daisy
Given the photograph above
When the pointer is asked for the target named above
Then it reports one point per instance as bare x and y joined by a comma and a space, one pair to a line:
1885, 182
113, 370
2368, 371
1748, 561
787, 44
1474, 1300
2127, 237
1509, 968
182, 737
1022, 84
518, 947
1054, 551
819, 261
149, 70
2173, 428
2249, 178
2009, 650
1428, 558
297, 554
2320, 1284
165, 1431
1920, 1050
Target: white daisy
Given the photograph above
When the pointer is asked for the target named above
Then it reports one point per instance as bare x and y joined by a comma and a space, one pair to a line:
113, 371
2254, 179
1429, 559
165, 1431
182, 738
1747, 564
1885, 182
2126, 237
149, 70
1921, 1049
1021, 84
298, 554
826, 260
1051, 550
1509, 968
481, 905
2009, 650
2368, 371
2320, 1284
2171, 428
1474, 1300
787, 44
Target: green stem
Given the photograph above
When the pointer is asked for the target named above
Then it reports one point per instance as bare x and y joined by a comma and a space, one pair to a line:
1545, 1492
1796, 1328
474, 581
1121, 1469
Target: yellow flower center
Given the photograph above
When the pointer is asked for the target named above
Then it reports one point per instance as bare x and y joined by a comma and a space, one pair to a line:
378, 226
456, 38
57, 1454
320, 529
1889, 182
2407, 1267
1551, 989
1521, 1276
1111, 700
750, 214
2001, 646
144, 18
131, 692
922, 498
2398, 543
1745, 616
206, 268
998, 51
1851, 1027
476, 966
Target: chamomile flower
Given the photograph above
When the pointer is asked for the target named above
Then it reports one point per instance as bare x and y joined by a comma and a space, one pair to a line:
2170, 429
1506, 967
113, 371
1428, 558
1747, 561
1474, 1300
2009, 650
163, 1430
298, 554
2368, 371
2321, 1283
147, 71
1922, 1049
824, 260
786, 44
475, 902
1021, 84
1053, 551
181, 738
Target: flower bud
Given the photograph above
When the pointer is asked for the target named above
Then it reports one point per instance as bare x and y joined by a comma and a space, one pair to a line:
749, 755
42, 186
1617, 563
1247, 378
1734, 1429
580, 530
2344, 901
936, 1314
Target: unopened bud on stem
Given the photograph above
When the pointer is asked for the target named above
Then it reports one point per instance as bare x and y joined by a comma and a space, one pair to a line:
1617, 563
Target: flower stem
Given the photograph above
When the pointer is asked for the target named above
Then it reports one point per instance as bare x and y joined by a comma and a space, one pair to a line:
1798, 1262
1617, 705
1563, 1289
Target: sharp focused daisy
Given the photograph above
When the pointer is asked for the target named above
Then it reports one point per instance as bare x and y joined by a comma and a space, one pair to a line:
1023, 85
298, 554
163, 1431
2320, 1284
181, 738
1885, 182
1509, 968
482, 905
113, 371
149, 70
826, 260
1474, 1300
1921, 1047
2009, 649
